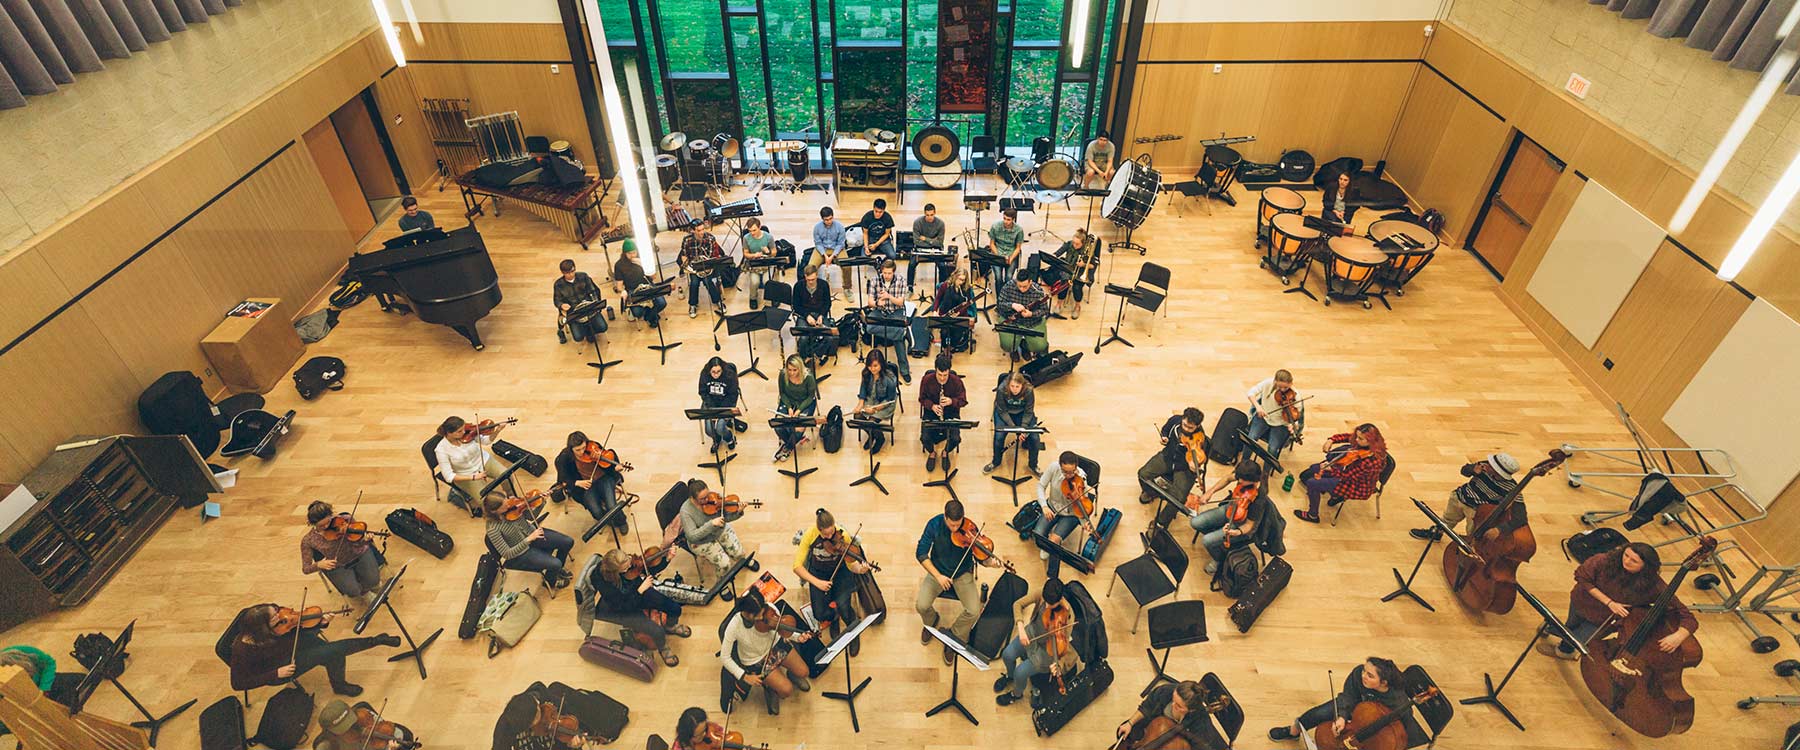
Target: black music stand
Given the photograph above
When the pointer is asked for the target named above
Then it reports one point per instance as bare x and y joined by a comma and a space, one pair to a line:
604, 521
962, 650
1020, 334
799, 421
384, 600
942, 322
1551, 623
950, 427
874, 466
815, 332
883, 321
1444, 529
747, 323
761, 265
1062, 554
1124, 293
108, 668
1018, 446
840, 646
600, 362
649, 293
505, 477
989, 263
718, 462
1172, 624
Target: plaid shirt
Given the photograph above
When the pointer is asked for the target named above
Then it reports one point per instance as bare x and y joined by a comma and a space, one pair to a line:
700, 247
1356, 481
1010, 294
895, 289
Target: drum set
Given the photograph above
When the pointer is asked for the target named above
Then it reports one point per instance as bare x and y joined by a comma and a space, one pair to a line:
697, 163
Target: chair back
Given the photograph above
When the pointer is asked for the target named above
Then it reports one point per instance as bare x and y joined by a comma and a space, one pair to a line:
222, 649
1436, 712
537, 144
656, 742
1231, 718
981, 145
669, 505
778, 293
1152, 285
1090, 467
429, 451
585, 595
1387, 471
1162, 545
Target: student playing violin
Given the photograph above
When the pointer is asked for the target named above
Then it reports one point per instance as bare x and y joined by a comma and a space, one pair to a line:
1269, 402
341, 729
751, 636
624, 594
465, 457
949, 566
524, 545
1044, 623
1059, 517
1234, 519
1352, 466
709, 535
272, 649
596, 488
1172, 465
831, 576
353, 567
1376, 680
690, 730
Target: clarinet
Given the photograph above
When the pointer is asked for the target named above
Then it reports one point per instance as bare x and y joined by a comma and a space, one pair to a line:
1013, 318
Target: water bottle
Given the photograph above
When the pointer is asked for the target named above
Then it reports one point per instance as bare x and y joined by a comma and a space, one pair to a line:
1287, 484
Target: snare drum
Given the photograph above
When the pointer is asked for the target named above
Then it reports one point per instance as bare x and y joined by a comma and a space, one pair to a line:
1351, 267
1289, 240
1386, 228
1131, 194
1276, 200
668, 171
1057, 172
698, 149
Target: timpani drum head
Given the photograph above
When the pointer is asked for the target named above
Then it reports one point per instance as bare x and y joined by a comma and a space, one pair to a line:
1057, 172
1291, 233
1279, 200
1358, 249
1386, 228
1224, 157
936, 146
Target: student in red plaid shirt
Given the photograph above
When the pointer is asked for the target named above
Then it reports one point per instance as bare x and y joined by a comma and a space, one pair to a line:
1353, 464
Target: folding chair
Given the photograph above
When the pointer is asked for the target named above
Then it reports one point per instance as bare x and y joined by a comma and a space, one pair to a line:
1387, 472
1152, 289
1153, 575
1437, 712
668, 508
439, 483
983, 155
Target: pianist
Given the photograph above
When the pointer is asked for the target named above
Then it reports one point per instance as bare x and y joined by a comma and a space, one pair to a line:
928, 235
629, 275
699, 246
414, 219
576, 288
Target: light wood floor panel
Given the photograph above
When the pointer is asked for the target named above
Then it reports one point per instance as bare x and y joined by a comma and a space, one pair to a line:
1448, 373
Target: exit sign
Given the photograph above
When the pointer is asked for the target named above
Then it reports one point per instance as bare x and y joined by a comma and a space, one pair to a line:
1577, 86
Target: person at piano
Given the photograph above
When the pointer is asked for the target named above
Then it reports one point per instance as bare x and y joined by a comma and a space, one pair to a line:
878, 227
698, 246
1339, 203
887, 296
941, 396
719, 390
798, 394
877, 396
928, 234
1079, 254
812, 307
828, 247
758, 245
956, 296
468, 463
1101, 161
1024, 303
629, 275
1005, 239
415, 218
1015, 406
574, 288
595, 488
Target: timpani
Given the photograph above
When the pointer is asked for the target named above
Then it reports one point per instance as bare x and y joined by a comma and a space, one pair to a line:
1351, 264
1387, 228
1290, 245
1275, 200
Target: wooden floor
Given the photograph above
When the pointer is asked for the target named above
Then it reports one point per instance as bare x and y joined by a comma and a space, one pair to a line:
1447, 374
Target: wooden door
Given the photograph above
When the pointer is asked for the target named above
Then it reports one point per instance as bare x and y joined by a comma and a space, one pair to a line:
368, 157
328, 155
1513, 205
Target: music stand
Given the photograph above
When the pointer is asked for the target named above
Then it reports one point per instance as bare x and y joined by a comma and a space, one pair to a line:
701, 415
1551, 623
646, 294
747, 323
950, 427
1172, 624
1020, 334
962, 650
384, 600
1443, 529
868, 258
1270, 464
1165, 495
874, 467
989, 263
602, 522
1064, 554
108, 668
815, 332
1018, 447
942, 322
883, 321
799, 421
1123, 293
838, 647
505, 477
600, 362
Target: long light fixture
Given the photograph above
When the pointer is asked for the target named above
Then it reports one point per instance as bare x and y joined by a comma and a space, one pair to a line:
386, 20
1772, 78
1763, 222
618, 130
412, 20
1078, 33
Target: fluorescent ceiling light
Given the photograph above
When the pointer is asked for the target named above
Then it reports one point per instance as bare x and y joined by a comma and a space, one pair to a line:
1078, 33
618, 131
1772, 78
386, 21
1763, 222
412, 19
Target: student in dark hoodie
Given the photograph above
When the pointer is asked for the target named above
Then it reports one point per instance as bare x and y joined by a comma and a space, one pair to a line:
719, 390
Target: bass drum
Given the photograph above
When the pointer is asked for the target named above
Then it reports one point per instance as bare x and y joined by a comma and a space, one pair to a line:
1057, 173
936, 146
723, 143
941, 177
1131, 195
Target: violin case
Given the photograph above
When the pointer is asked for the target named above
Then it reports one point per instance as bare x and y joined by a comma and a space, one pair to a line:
1108, 523
528, 461
598, 713
1223, 446
1051, 710
256, 432
1269, 583
222, 725
618, 656
423, 532
487, 571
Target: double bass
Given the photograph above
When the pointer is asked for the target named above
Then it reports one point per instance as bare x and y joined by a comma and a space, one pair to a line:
1488, 581
1637, 681
1370, 726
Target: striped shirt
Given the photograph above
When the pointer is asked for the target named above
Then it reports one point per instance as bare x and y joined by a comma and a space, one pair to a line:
1483, 487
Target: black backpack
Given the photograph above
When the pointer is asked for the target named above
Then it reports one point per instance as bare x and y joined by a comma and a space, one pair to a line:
285, 719
1235, 576
90, 648
1433, 220
831, 434
318, 375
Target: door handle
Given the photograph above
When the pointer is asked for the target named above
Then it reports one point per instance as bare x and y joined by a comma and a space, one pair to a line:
1500, 203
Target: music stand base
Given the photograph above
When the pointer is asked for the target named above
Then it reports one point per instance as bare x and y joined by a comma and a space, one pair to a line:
850, 697
871, 478
1405, 584
1301, 290
945, 483
1114, 337
152, 723
955, 678
419, 650
718, 464
1161, 676
1492, 698
797, 473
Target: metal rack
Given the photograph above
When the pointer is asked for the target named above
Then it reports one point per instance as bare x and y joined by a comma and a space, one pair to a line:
446, 121
1739, 507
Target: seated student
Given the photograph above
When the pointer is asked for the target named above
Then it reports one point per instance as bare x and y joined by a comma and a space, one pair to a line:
928, 234
1181, 702
1028, 652
523, 545
710, 535
755, 653
1268, 420
354, 568
831, 577
628, 275
797, 393
1015, 405
595, 488
632, 603
1005, 238
1233, 521
468, 463
827, 249
1170, 465
1490, 481
812, 307
941, 397
719, 390
690, 730
887, 299
259, 657
1080, 254
1017, 301
1352, 466
1611, 584
949, 567
877, 397
699, 246
415, 218
956, 297
758, 244
338, 730
1375, 680
573, 288
1060, 517
1099, 163
878, 226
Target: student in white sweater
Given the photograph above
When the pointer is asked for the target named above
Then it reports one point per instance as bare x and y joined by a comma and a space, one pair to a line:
744, 652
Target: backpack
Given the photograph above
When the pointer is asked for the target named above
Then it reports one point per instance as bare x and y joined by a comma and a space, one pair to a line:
831, 434
1235, 575
318, 375
508, 617
1432, 220
285, 719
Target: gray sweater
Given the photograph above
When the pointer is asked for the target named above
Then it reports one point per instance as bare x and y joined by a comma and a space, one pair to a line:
697, 527
928, 232
509, 537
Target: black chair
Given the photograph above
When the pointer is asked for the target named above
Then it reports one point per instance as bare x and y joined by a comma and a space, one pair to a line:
438, 483
1437, 712
983, 154
1387, 472
668, 508
1231, 717
537, 144
222, 648
656, 742
1153, 575
1152, 289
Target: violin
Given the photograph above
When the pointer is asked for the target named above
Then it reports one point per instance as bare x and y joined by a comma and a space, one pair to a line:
1370, 726
712, 504
485, 427
846, 548
1291, 412
592, 456
1058, 621
1637, 681
1196, 448
561, 728
1074, 488
715, 737
373, 731
650, 562
288, 618
1488, 581
344, 526
519, 507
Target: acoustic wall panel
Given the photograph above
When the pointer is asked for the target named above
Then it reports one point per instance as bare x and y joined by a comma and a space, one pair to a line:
1594, 260
1737, 401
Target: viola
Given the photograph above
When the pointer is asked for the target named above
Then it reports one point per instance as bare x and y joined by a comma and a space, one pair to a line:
530, 503
1074, 488
592, 456
373, 731
652, 561
485, 427
1196, 448
1291, 412
344, 526
563, 728
712, 504
715, 737
1059, 622
1636, 680
980, 546
1488, 581
844, 547
288, 618
1370, 726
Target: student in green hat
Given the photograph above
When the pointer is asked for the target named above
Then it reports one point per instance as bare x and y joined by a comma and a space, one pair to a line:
628, 275
339, 730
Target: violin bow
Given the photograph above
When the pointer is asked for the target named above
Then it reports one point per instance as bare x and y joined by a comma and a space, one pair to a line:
1331, 695
294, 654
848, 541
369, 734
639, 536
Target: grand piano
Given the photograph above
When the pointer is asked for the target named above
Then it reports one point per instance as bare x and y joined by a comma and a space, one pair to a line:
446, 277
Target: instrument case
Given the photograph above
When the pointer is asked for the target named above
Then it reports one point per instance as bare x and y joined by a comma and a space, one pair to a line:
487, 570
1269, 583
531, 462
286, 718
1104, 528
620, 657
419, 529
222, 726
1223, 447
1053, 710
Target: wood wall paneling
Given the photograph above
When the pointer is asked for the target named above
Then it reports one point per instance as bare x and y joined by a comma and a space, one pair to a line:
492, 42
154, 335
548, 103
65, 380
1446, 152
1377, 40
363, 147
1479, 71
1664, 330
31, 290
340, 179
412, 142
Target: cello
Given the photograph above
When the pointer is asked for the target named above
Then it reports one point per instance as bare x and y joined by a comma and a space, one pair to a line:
1488, 581
1370, 726
1637, 681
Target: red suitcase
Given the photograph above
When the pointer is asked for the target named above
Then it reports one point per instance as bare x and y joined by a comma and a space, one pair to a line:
623, 658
